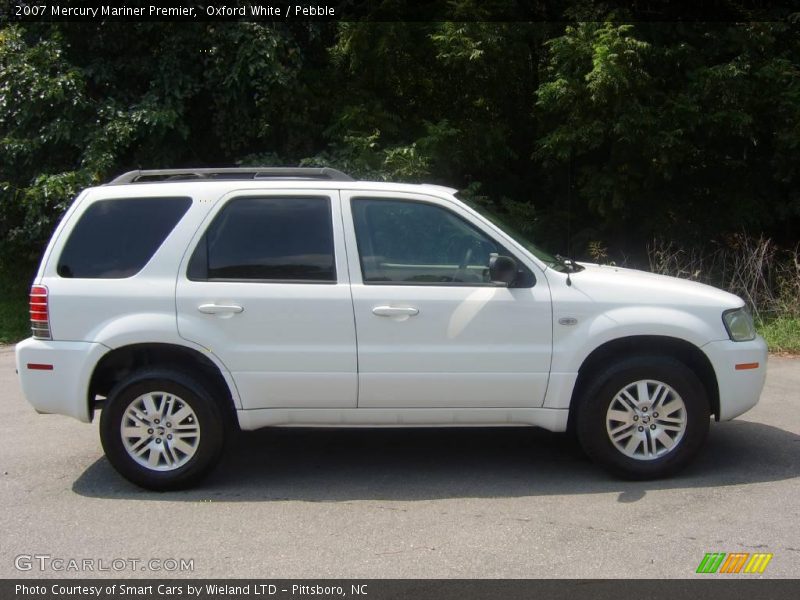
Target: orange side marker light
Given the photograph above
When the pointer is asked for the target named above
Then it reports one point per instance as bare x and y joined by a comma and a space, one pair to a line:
745, 366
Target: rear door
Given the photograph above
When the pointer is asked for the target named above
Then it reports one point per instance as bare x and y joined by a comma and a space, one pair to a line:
265, 287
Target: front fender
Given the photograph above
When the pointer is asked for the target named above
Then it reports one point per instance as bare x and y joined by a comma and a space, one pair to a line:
573, 344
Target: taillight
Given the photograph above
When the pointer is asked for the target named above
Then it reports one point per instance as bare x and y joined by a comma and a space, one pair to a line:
40, 316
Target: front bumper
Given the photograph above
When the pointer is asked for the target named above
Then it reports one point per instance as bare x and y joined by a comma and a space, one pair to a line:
740, 381
55, 376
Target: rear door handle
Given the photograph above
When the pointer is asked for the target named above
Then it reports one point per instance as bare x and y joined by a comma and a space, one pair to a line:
395, 311
220, 309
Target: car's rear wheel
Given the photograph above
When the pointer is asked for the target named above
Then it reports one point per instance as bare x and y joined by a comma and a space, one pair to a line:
643, 417
161, 430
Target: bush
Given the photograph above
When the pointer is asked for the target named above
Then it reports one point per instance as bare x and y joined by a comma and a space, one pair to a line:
754, 268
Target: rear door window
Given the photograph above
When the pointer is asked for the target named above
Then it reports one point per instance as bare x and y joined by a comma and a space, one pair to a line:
274, 239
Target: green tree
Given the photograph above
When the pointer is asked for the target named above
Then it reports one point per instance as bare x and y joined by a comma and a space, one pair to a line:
680, 130
602, 131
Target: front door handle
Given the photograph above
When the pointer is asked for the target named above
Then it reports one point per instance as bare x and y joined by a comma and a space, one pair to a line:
220, 309
395, 311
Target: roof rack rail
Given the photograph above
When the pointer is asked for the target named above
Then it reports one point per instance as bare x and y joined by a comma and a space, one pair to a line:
161, 175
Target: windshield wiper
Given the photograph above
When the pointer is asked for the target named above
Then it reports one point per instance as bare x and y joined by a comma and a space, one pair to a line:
571, 265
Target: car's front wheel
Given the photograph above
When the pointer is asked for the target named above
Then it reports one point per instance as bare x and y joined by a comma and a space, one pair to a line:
643, 417
161, 430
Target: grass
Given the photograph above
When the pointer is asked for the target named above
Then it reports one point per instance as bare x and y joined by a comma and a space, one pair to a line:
782, 334
14, 323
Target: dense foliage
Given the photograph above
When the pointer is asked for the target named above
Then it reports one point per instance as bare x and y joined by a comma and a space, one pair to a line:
597, 132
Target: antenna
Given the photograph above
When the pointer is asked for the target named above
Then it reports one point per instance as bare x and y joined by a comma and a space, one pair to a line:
569, 210
569, 201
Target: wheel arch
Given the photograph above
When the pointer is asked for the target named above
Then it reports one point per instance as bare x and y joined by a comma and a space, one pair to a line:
686, 352
120, 362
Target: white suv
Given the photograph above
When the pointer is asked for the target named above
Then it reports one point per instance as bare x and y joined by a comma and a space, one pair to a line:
191, 304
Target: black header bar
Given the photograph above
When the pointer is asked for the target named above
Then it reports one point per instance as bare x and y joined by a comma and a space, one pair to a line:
397, 10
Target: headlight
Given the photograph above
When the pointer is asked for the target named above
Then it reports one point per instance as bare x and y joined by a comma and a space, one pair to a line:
739, 324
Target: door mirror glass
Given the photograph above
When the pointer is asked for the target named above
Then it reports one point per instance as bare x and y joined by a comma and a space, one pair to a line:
502, 270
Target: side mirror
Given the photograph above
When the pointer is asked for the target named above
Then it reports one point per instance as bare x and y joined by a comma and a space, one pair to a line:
502, 270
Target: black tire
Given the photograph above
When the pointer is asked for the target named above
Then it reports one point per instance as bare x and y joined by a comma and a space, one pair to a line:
593, 410
207, 414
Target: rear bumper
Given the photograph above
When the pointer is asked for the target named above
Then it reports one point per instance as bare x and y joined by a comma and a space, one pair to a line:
740, 381
55, 375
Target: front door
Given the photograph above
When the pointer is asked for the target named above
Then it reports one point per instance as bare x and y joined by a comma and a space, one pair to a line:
432, 330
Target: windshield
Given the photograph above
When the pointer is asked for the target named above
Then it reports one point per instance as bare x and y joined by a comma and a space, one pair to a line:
502, 222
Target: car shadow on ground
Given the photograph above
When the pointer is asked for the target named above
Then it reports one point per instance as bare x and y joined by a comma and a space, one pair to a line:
332, 465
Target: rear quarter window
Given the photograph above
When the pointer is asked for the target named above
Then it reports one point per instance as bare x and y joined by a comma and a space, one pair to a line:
115, 239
